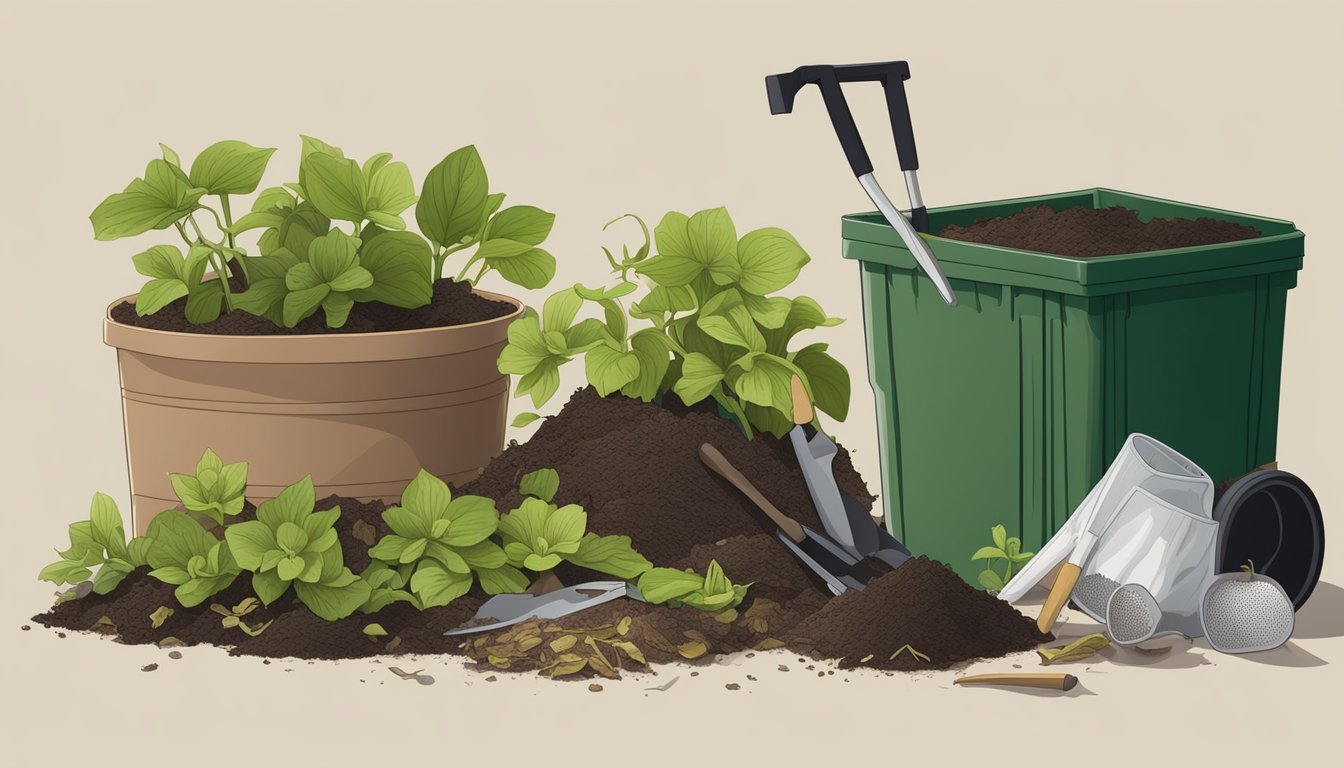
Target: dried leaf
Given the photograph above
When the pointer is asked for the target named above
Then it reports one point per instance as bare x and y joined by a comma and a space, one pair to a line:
403, 674
160, 615
499, 662
693, 649
392, 644
563, 643
528, 643
171, 642
768, 644
630, 649
221, 610
866, 659
253, 631
104, 626
1079, 649
248, 605
726, 616
623, 626
375, 630
565, 664
229, 622
658, 640
759, 614
364, 532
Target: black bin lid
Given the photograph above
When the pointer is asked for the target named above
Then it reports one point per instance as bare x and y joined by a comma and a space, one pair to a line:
1272, 519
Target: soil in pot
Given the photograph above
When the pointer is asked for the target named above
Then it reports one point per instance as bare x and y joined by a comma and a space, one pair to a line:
635, 468
1088, 232
454, 303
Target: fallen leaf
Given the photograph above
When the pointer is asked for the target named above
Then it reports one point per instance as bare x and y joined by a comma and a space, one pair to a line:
563, 643
630, 649
364, 532
1079, 649
726, 616
104, 625
169, 642
392, 644
623, 626
160, 615
248, 605
693, 649
769, 644
375, 630
403, 674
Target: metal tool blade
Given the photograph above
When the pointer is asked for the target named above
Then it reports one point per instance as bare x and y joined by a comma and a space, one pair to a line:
815, 456
918, 248
506, 610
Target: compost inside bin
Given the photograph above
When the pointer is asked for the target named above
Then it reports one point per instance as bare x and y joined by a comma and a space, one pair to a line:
1089, 232
635, 468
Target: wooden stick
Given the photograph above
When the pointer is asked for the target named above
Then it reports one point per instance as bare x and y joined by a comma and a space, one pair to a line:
1054, 681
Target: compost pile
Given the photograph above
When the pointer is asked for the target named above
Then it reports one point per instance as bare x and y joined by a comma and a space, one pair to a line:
1088, 232
453, 303
635, 468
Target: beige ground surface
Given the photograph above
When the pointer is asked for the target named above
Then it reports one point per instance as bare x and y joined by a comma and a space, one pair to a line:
593, 110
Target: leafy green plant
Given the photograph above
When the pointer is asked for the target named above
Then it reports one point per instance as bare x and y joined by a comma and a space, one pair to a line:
304, 262
439, 544
215, 491
715, 331
538, 535
288, 544
98, 542
711, 592
1006, 548
184, 554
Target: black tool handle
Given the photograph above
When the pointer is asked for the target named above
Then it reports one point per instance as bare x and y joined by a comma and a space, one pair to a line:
783, 88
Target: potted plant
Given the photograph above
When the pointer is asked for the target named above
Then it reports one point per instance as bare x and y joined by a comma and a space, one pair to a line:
337, 349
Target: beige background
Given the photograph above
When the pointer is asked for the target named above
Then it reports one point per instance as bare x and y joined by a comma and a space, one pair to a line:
593, 110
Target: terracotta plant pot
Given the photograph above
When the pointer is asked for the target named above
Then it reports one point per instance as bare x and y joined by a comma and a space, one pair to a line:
361, 412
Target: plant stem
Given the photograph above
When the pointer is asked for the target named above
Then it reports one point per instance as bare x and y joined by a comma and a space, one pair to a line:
356, 229
228, 218
220, 264
442, 258
730, 404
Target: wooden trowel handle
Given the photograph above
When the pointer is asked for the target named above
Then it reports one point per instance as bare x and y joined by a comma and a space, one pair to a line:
1059, 594
724, 468
802, 404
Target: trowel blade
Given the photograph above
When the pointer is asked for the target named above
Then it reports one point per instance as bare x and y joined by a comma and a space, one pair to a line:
506, 610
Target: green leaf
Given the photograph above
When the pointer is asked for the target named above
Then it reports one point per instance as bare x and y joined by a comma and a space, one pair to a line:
651, 348
390, 547
157, 294
453, 197
107, 580
564, 528
435, 585
560, 309
826, 377
518, 263
989, 553
1000, 536
334, 599
768, 384
389, 192
273, 197
230, 168
400, 264
505, 579
608, 369
335, 186
659, 585
302, 303
427, 497
990, 580
162, 197
205, 302
523, 419
268, 586
177, 538
609, 554
523, 224
770, 260
161, 261
699, 377
170, 156
330, 257
292, 504
474, 518
248, 541
735, 327
541, 483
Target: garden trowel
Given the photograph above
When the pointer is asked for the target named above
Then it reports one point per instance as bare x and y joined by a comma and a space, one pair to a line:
844, 518
506, 610
836, 567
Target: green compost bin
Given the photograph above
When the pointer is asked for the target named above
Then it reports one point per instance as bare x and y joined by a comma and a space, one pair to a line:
1009, 407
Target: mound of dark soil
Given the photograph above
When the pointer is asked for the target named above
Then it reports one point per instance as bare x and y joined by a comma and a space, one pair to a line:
635, 467
453, 304
1085, 232
923, 605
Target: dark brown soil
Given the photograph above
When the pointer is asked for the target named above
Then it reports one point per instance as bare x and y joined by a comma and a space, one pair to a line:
635, 467
1087, 232
453, 304
922, 604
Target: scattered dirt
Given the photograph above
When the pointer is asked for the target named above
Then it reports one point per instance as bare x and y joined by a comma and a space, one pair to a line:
920, 609
635, 467
453, 304
1086, 232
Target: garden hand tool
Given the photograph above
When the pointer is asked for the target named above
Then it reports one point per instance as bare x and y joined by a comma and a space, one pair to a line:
783, 88
1054, 681
1140, 488
506, 610
836, 567
843, 518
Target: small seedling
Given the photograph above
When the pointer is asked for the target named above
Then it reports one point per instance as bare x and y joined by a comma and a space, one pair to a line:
184, 554
98, 542
711, 592
1006, 548
215, 491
